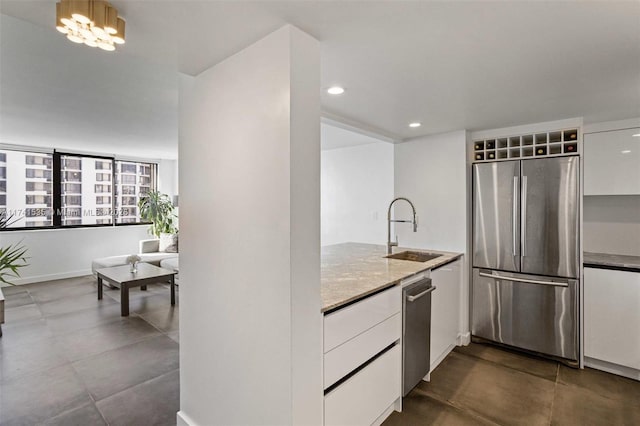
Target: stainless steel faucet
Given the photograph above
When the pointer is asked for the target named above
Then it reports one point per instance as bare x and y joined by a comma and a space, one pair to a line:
391, 244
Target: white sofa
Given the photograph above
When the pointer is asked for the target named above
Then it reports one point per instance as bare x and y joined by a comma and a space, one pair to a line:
148, 250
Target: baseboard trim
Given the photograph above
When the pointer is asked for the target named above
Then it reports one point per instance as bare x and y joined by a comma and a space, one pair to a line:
434, 364
183, 420
386, 413
616, 369
51, 277
463, 339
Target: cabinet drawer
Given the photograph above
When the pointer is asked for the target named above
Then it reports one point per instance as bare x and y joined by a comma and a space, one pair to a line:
364, 397
344, 324
350, 355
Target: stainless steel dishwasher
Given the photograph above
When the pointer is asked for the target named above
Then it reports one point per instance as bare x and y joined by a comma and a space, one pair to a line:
416, 333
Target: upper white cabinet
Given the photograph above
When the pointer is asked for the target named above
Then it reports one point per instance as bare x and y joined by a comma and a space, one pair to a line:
612, 316
612, 162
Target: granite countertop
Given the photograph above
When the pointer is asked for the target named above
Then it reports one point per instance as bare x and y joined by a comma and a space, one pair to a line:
350, 271
612, 261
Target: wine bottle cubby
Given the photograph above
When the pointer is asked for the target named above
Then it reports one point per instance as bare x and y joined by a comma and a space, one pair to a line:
535, 145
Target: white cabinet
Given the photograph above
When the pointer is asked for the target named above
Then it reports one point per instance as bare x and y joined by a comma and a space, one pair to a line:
445, 310
612, 162
362, 366
612, 316
363, 398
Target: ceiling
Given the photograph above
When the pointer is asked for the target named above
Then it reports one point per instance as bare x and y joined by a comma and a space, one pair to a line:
334, 137
450, 65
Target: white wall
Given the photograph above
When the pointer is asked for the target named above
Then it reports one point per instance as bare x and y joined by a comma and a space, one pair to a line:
357, 187
250, 321
431, 172
168, 177
612, 224
64, 253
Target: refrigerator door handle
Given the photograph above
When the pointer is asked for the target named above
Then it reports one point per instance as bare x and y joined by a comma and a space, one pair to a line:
521, 280
523, 223
514, 216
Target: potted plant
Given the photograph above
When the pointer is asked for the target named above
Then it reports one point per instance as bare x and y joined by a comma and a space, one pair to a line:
157, 208
12, 257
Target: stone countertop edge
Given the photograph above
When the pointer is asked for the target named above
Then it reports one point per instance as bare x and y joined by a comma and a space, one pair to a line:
620, 262
352, 271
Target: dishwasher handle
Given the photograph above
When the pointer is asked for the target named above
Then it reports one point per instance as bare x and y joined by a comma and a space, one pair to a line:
419, 295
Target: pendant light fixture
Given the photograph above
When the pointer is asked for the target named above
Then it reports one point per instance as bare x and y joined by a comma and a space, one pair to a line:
93, 22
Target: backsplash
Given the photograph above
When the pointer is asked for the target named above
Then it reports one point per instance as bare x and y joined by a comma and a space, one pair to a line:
612, 224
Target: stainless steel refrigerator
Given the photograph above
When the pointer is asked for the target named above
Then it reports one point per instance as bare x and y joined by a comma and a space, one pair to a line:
525, 284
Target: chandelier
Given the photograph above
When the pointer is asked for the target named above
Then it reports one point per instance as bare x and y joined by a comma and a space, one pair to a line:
93, 22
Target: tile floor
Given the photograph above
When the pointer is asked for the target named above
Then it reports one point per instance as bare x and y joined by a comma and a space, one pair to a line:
484, 385
67, 358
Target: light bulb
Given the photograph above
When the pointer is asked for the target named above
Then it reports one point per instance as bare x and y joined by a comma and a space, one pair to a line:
104, 45
74, 37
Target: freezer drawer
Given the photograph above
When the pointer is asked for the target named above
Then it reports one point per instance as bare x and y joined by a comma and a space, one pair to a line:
526, 311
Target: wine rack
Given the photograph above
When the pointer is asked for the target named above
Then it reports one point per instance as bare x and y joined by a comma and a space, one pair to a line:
542, 144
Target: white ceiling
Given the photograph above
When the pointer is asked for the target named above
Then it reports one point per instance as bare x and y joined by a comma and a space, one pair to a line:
57, 94
451, 65
334, 137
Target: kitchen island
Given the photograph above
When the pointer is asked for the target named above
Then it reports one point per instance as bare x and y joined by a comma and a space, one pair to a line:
351, 271
362, 305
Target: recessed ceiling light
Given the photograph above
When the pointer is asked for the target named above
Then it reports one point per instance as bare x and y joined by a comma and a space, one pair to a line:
415, 124
626, 151
335, 90
637, 135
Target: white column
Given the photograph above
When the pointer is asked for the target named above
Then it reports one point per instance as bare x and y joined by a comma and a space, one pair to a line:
249, 165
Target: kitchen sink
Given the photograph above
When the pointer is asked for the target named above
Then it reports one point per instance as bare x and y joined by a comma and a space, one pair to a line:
414, 256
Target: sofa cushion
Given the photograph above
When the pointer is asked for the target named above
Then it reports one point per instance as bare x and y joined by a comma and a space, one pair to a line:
171, 264
108, 262
168, 243
156, 258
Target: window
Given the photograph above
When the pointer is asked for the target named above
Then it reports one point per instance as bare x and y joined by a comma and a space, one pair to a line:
126, 189
129, 201
39, 159
103, 165
38, 199
72, 188
26, 192
103, 177
70, 163
71, 177
132, 180
57, 190
38, 186
73, 200
82, 206
38, 174
127, 167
